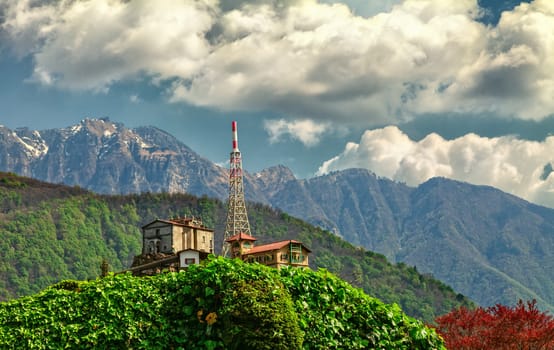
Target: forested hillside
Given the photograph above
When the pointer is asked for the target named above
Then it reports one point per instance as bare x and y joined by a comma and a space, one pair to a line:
487, 244
53, 232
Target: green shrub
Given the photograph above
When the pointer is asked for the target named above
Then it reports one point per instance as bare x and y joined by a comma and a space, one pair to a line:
222, 304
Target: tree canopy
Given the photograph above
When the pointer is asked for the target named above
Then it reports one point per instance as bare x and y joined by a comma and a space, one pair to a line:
521, 327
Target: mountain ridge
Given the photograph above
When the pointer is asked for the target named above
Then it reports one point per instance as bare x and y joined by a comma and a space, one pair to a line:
109, 158
485, 243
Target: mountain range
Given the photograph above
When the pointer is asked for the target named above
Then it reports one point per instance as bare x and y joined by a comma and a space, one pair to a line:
488, 245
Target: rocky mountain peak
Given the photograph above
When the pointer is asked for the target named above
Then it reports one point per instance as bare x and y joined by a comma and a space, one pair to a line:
99, 127
278, 173
107, 157
273, 179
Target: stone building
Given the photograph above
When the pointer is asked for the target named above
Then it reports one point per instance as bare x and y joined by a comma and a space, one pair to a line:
174, 235
175, 244
172, 244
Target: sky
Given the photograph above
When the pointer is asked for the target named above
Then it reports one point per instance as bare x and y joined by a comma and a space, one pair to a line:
409, 89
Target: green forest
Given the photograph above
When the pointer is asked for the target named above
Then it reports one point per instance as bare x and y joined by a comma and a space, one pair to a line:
221, 304
52, 233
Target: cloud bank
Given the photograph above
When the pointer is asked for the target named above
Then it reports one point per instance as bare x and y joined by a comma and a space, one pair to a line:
301, 58
306, 131
519, 167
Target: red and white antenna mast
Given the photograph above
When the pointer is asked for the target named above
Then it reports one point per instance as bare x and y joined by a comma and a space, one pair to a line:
237, 218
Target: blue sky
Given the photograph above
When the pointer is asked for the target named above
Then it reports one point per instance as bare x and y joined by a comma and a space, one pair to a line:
408, 89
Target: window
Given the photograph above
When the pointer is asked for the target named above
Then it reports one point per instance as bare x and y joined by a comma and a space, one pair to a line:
190, 261
203, 239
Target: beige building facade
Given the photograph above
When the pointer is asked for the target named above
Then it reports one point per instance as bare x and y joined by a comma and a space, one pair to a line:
174, 235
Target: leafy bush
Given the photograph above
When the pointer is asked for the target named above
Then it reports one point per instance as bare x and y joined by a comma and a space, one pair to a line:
221, 304
335, 315
234, 305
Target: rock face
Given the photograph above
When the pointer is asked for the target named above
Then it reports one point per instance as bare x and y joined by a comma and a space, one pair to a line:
108, 158
19, 150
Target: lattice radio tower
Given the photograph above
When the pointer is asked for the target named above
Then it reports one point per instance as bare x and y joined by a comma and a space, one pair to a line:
237, 218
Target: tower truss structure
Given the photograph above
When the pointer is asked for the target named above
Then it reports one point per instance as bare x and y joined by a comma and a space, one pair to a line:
237, 217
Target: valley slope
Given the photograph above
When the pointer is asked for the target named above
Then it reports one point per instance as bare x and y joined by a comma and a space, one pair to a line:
491, 246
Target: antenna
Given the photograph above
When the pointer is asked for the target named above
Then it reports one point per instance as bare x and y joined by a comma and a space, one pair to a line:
235, 136
237, 218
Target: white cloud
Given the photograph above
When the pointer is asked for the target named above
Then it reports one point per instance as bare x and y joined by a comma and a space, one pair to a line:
300, 58
306, 131
510, 164
88, 45
26, 23
367, 8
134, 98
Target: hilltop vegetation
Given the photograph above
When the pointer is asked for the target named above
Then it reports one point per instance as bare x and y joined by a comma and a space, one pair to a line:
53, 232
222, 304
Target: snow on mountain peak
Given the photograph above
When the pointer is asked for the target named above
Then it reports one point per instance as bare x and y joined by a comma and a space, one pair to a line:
75, 128
34, 145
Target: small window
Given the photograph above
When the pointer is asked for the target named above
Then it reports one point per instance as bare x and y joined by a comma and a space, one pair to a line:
203, 239
190, 261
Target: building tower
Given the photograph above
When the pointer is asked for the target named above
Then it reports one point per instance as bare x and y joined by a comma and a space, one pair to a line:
237, 218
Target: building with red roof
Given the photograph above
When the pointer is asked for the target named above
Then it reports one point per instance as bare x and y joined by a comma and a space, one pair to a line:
283, 253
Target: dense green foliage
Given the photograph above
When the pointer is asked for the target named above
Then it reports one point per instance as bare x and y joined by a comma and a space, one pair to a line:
223, 303
53, 232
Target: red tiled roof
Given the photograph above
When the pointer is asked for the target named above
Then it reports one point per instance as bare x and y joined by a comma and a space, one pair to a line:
240, 236
273, 246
